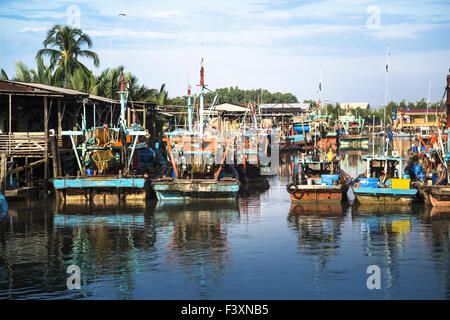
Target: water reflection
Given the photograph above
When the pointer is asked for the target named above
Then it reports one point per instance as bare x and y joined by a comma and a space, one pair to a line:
385, 238
319, 230
198, 243
438, 233
261, 246
392, 234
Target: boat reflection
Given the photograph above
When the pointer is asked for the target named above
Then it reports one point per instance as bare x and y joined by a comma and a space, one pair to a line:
3, 206
198, 245
91, 235
439, 236
319, 233
322, 209
359, 209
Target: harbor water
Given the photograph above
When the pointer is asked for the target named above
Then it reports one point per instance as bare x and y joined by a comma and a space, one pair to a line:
259, 247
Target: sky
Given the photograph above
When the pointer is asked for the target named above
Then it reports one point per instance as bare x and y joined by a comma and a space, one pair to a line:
278, 45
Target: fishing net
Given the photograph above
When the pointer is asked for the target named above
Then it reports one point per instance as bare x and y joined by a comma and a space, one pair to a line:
102, 135
101, 158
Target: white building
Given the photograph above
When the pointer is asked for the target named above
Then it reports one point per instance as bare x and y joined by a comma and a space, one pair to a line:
354, 105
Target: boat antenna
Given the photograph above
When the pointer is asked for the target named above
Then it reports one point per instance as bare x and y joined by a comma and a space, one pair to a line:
386, 89
202, 93
428, 103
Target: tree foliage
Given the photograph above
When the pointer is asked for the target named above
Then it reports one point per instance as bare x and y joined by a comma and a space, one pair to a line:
235, 95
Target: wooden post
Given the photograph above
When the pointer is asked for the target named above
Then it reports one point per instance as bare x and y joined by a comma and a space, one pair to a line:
59, 124
54, 156
128, 117
46, 148
27, 183
3, 170
9, 125
144, 115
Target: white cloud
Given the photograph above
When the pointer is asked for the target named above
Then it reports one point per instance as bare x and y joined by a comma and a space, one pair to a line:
404, 30
36, 30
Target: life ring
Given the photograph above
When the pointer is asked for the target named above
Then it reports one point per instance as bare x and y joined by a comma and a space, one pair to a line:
292, 188
298, 197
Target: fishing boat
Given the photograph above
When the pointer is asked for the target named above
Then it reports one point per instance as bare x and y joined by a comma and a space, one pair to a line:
382, 182
299, 135
429, 167
318, 179
198, 157
104, 154
352, 133
253, 142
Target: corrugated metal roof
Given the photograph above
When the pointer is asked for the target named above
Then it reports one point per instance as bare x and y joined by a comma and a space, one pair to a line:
39, 87
430, 111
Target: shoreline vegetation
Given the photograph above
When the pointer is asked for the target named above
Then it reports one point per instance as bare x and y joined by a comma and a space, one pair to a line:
65, 47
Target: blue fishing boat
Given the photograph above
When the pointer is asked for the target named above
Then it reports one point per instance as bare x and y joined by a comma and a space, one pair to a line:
198, 157
383, 182
104, 156
352, 133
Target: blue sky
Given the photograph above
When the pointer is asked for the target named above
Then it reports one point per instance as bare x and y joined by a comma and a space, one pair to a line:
278, 45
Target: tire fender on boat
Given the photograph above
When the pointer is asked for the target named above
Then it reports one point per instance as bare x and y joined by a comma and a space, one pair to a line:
291, 188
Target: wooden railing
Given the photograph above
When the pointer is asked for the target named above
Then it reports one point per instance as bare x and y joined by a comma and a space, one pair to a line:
23, 143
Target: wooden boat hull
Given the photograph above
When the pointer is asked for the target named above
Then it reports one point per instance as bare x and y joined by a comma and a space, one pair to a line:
318, 193
102, 189
319, 208
195, 189
384, 195
437, 196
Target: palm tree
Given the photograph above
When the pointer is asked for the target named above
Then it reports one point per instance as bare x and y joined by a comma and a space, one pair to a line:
108, 82
162, 95
23, 74
63, 46
83, 82
44, 74
109, 86
3, 75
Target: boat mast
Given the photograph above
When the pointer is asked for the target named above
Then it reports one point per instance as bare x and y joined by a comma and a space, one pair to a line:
386, 89
189, 104
428, 103
202, 85
320, 89
123, 103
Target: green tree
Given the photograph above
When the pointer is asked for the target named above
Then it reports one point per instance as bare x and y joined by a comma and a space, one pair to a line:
64, 47
3, 75
23, 73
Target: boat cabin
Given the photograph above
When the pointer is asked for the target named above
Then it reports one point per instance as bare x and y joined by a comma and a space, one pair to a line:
384, 167
317, 172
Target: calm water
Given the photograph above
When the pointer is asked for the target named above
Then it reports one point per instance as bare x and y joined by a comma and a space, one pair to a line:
260, 247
